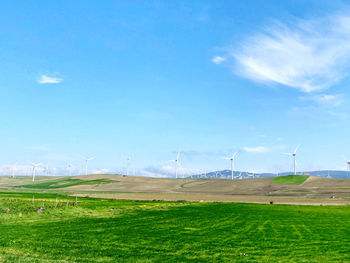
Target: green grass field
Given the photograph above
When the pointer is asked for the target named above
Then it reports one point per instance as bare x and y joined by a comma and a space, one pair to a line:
66, 182
290, 179
99, 230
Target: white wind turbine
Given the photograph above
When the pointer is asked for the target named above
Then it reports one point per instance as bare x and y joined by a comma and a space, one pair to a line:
47, 170
294, 154
87, 162
177, 162
347, 165
232, 159
127, 165
35, 165
250, 174
70, 167
14, 168
277, 172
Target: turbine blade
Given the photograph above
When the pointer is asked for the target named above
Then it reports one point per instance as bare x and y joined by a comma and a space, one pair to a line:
178, 155
234, 155
295, 151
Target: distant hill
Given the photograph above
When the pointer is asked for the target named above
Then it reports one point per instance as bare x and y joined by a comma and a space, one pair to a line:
298, 189
227, 174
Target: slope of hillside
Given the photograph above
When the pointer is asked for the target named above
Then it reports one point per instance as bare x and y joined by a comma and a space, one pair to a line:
315, 190
290, 179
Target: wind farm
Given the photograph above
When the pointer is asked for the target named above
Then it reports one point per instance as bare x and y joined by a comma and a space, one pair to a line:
174, 131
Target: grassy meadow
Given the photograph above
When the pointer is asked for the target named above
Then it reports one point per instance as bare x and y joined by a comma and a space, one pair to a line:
290, 179
101, 230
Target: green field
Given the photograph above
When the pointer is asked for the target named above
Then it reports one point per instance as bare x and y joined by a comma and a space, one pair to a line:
290, 179
66, 182
100, 230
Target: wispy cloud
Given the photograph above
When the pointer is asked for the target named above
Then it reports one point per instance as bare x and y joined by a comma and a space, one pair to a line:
309, 55
326, 99
45, 79
257, 149
312, 111
167, 171
218, 59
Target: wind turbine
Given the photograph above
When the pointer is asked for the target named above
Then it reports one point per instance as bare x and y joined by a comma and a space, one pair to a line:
70, 166
127, 165
277, 172
35, 165
14, 168
87, 163
294, 154
347, 165
250, 175
47, 170
177, 162
232, 159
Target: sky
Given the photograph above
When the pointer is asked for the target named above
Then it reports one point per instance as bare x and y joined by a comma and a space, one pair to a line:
144, 79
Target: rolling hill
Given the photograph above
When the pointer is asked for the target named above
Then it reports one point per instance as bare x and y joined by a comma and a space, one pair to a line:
283, 189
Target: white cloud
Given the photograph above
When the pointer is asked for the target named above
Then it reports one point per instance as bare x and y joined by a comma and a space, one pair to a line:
309, 55
44, 79
312, 111
218, 59
339, 115
326, 99
257, 149
167, 171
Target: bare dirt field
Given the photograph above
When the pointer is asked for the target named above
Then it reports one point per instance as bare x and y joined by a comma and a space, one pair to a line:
314, 191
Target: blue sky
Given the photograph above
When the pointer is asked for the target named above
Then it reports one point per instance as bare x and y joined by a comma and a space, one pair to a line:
143, 79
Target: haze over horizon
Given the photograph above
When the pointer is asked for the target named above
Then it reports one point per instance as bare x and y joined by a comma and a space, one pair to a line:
114, 79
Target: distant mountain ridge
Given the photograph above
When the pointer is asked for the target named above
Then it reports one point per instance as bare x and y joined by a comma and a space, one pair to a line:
244, 175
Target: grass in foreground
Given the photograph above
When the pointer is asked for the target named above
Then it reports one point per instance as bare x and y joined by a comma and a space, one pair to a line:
99, 230
290, 179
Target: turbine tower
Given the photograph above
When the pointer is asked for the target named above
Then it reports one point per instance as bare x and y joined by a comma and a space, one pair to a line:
177, 162
14, 168
70, 166
35, 165
47, 170
294, 154
232, 159
87, 163
127, 165
347, 165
